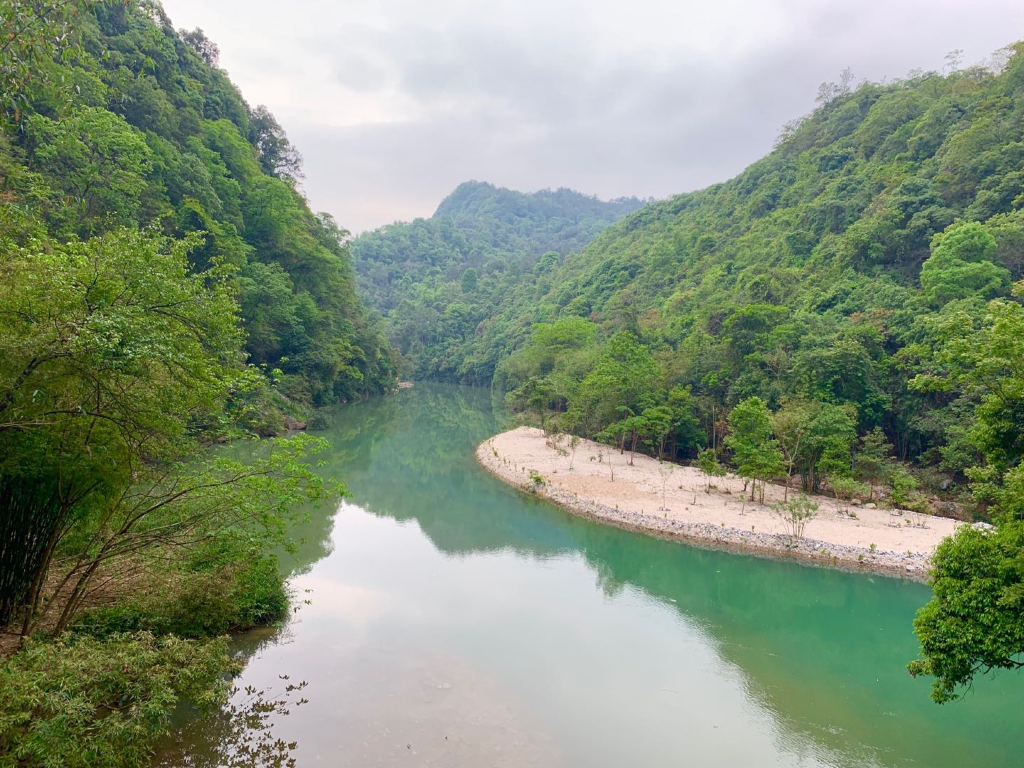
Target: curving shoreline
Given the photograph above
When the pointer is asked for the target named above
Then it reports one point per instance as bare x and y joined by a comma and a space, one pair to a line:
634, 500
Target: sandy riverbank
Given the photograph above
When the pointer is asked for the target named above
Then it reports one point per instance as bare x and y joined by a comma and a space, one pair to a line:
644, 497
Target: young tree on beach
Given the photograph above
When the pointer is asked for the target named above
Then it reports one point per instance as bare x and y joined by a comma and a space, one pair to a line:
756, 453
707, 462
795, 514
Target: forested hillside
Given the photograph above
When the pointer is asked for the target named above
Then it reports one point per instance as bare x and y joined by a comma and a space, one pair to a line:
843, 314
833, 271
163, 285
435, 280
154, 136
846, 315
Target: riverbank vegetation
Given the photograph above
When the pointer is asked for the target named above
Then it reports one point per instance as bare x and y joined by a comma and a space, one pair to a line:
845, 314
164, 287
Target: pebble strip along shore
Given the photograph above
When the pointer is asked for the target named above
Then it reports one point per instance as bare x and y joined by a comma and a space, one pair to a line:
913, 566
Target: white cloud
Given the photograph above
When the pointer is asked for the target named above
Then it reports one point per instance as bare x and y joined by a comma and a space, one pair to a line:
394, 102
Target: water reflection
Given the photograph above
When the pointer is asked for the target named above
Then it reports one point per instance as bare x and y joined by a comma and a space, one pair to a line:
475, 626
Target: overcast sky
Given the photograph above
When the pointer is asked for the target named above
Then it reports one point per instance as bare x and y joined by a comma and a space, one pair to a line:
395, 102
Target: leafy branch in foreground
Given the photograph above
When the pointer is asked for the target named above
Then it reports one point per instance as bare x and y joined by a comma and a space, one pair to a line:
113, 355
974, 623
85, 703
183, 506
110, 350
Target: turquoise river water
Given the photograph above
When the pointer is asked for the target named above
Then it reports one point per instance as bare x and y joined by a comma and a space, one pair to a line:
453, 621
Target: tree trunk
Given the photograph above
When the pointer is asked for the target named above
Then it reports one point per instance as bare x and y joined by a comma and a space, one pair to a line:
30, 522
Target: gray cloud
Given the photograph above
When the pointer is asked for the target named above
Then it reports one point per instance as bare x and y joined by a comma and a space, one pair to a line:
393, 103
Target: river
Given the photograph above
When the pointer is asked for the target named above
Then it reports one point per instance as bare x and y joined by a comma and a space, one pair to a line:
455, 622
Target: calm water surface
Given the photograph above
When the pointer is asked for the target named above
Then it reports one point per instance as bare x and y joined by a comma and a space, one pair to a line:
455, 622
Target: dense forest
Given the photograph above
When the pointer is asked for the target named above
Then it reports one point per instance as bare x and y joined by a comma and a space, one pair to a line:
165, 286
842, 313
437, 280
846, 314
156, 137
834, 272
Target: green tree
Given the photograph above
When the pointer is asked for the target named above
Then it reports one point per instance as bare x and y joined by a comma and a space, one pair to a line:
961, 265
830, 448
904, 488
756, 453
685, 433
111, 354
625, 376
94, 159
975, 621
204, 47
277, 156
988, 361
646, 429
707, 462
32, 35
469, 281
872, 458
659, 422
792, 426
815, 438
534, 395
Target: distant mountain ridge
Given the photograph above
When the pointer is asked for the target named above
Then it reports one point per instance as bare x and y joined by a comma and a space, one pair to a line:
438, 278
801, 278
474, 202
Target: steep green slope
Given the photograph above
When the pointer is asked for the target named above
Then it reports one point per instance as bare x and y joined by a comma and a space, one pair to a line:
436, 279
802, 277
843, 312
153, 246
153, 135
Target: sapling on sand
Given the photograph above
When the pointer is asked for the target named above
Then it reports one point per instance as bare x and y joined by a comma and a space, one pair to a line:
795, 514
707, 462
665, 470
574, 443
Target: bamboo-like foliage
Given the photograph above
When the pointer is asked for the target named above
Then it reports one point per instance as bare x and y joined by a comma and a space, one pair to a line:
31, 513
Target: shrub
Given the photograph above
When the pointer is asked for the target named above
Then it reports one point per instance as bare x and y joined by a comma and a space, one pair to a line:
795, 514
201, 600
84, 702
847, 488
904, 488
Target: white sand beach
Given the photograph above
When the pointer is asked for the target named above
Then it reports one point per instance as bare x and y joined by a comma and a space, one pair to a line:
671, 500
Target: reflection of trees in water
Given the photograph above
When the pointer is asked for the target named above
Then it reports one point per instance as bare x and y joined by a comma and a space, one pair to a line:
817, 648
240, 733
311, 541
798, 635
411, 457
823, 650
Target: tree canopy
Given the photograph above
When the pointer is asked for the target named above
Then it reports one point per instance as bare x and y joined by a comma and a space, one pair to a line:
437, 281
157, 137
144, 222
